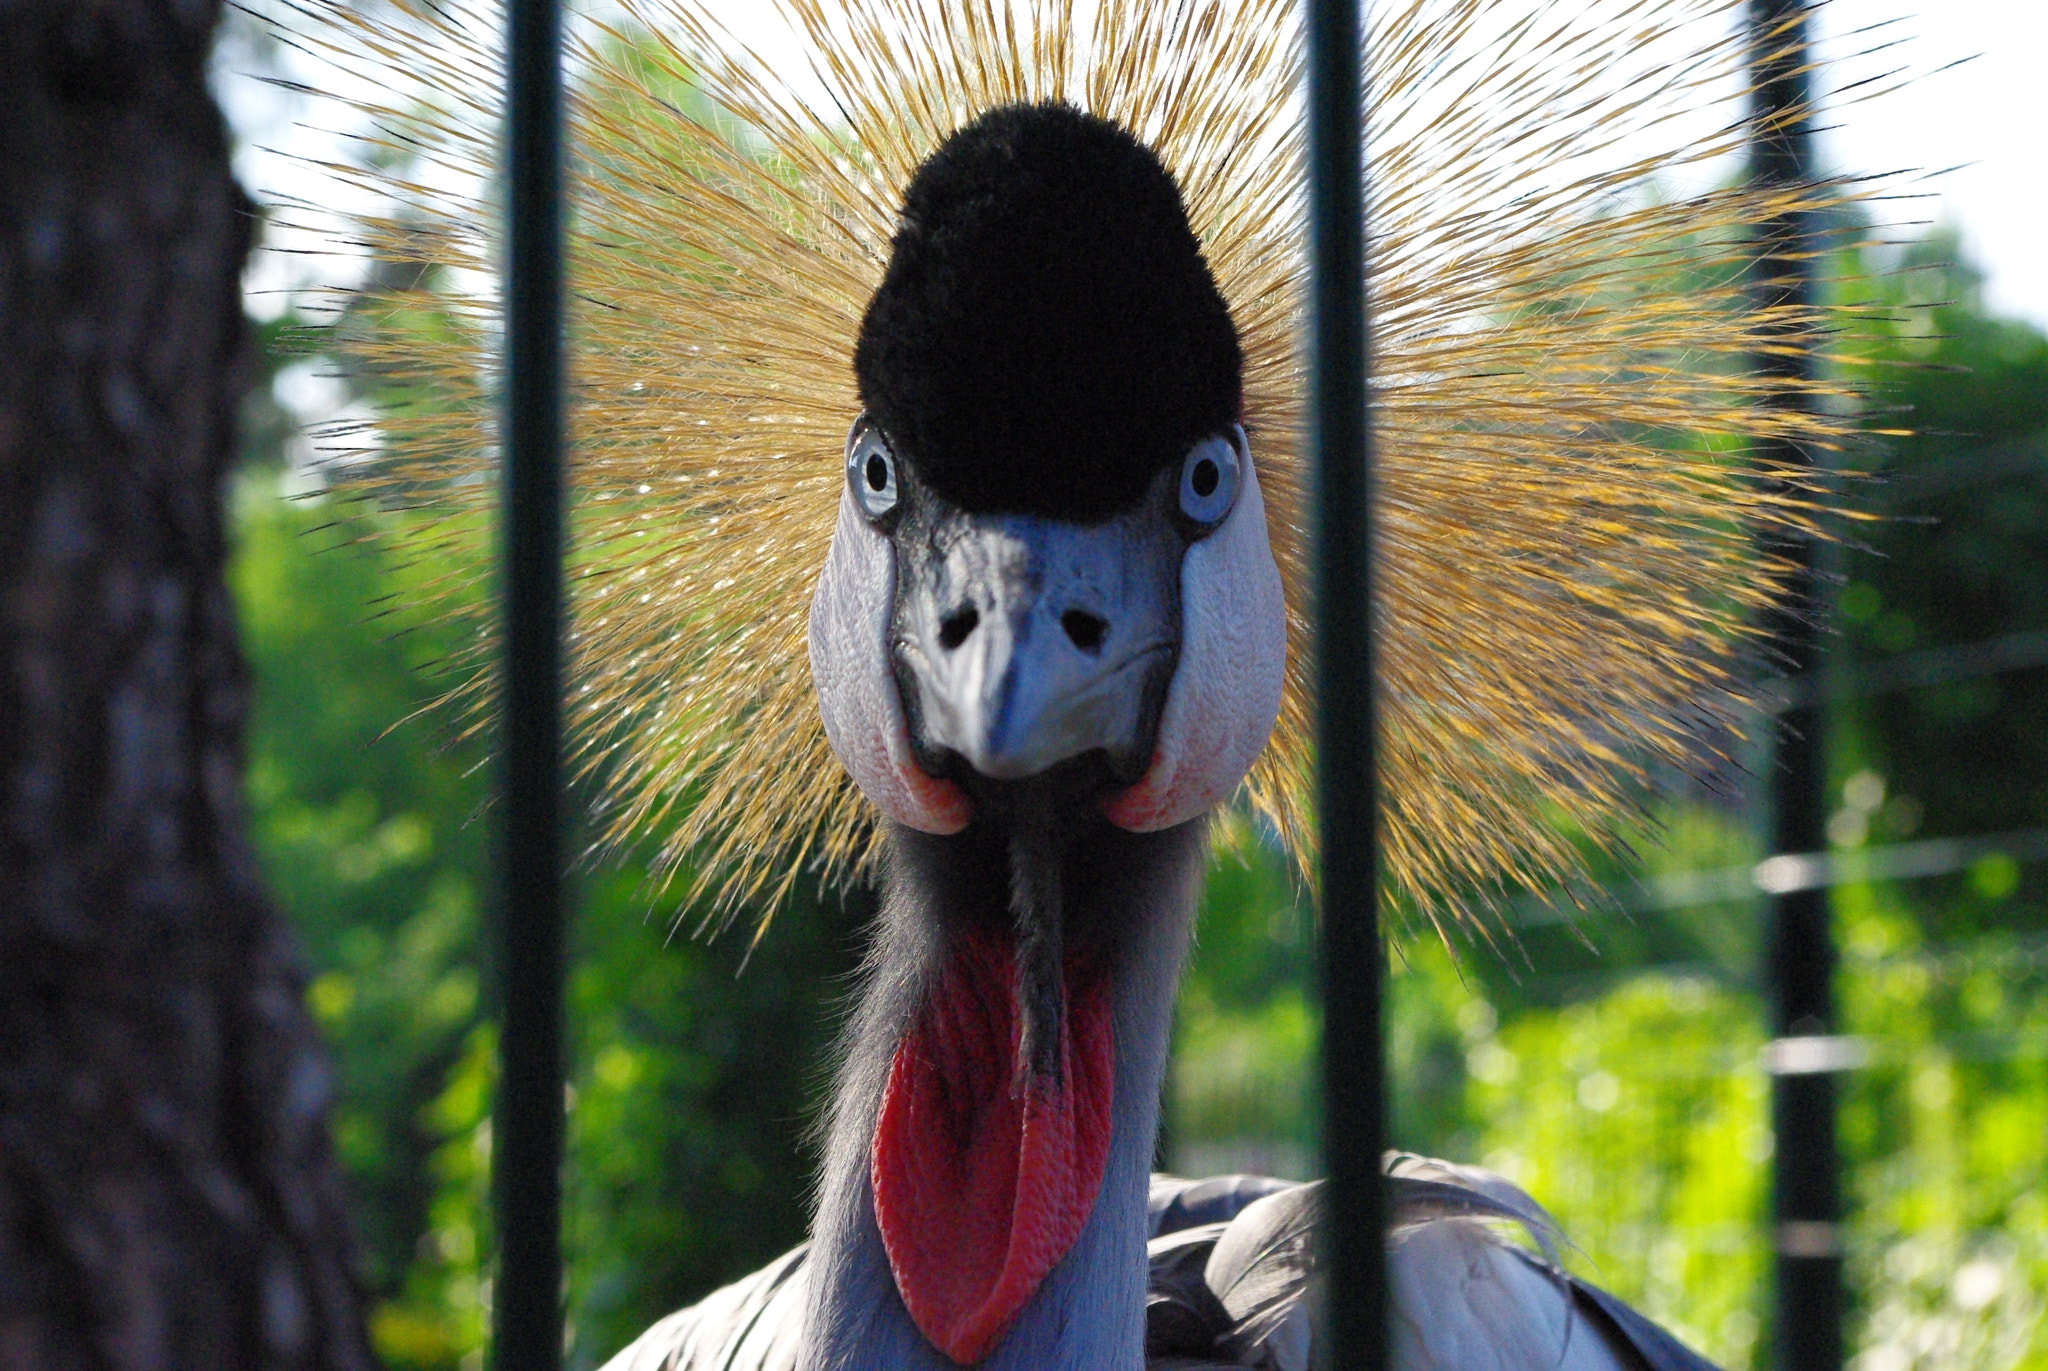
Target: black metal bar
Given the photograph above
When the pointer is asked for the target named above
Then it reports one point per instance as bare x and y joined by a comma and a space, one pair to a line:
1806, 1187
526, 1165
1354, 1335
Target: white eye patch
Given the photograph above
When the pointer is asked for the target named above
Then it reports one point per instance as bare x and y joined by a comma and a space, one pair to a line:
1226, 689
849, 641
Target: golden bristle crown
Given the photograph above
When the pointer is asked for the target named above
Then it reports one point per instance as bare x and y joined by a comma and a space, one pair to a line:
1566, 408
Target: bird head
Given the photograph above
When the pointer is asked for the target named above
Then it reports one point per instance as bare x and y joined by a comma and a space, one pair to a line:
1051, 568
1562, 382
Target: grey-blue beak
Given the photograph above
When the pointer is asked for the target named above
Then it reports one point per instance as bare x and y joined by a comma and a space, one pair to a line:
1021, 643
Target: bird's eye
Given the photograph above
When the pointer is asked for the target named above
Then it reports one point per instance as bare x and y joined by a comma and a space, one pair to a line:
1209, 477
871, 470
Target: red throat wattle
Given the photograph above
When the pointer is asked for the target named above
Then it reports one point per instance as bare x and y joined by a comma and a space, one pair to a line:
984, 1174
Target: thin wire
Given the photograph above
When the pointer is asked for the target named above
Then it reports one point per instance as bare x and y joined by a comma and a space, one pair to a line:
1786, 873
1920, 670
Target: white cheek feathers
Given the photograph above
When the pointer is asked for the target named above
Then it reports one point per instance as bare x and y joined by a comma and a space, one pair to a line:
1226, 689
857, 690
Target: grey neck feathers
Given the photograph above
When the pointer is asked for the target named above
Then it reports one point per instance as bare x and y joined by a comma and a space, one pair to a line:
1138, 893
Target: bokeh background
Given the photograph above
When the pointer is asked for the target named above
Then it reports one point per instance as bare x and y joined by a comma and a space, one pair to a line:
1610, 1064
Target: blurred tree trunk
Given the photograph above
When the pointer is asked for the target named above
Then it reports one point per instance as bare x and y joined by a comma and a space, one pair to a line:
167, 1194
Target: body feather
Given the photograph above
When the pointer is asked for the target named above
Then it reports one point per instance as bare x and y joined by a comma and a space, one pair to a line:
1230, 1285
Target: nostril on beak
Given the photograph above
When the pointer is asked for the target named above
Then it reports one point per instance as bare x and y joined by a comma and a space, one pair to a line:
1085, 630
954, 628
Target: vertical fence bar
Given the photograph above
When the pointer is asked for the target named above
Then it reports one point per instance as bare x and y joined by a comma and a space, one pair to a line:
1354, 1336
526, 1168
1806, 1192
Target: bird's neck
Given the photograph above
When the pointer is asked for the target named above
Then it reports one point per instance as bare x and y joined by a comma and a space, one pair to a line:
1128, 902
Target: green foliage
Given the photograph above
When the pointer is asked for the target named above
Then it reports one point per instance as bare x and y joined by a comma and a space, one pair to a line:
1959, 559
1246, 1036
1640, 1118
366, 842
1949, 1124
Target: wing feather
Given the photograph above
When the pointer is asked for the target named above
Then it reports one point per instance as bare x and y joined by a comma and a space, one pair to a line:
1232, 1284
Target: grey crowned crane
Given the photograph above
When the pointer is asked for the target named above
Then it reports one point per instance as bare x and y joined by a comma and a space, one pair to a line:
1048, 269
1050, 637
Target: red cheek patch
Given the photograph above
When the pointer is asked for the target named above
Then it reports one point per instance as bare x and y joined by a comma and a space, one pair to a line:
984, 1175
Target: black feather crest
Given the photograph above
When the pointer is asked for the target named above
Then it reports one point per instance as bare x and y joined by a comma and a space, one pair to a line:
1048, 335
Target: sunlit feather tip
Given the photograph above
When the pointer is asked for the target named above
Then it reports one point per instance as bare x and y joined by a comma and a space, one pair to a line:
1565, 406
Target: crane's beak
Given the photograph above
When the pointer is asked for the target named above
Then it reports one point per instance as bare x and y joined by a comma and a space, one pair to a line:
1020, 643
